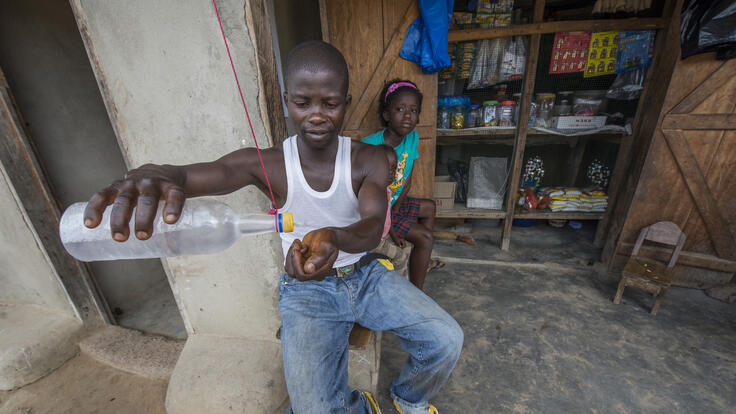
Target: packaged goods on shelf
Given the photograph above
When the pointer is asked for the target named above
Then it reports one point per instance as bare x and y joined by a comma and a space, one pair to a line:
465, 55
576, 199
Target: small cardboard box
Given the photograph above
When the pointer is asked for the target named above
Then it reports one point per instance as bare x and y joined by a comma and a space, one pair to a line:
579, 122
444, 203
444, 187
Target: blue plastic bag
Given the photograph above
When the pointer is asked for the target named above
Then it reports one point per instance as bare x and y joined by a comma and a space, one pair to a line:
426, 39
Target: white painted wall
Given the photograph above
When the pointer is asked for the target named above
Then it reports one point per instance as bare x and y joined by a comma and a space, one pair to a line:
26, 275
172, 98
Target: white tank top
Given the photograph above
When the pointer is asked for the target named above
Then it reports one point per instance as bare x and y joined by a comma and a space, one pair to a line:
336, 207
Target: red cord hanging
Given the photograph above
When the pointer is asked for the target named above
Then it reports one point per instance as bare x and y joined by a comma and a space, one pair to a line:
245, 107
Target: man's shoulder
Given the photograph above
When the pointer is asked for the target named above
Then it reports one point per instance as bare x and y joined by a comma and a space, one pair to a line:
374, 139
363, 148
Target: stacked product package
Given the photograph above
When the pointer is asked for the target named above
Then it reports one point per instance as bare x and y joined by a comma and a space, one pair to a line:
576, 199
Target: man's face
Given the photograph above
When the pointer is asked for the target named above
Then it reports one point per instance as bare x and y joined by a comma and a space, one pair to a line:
317, 105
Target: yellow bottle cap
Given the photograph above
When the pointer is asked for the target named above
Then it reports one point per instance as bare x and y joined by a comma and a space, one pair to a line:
286, 223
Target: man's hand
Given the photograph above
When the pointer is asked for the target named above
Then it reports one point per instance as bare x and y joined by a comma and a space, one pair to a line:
312, 258
142, 188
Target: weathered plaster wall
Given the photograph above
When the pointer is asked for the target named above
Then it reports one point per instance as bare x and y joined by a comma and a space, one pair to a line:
171, 96
46, 65
26, 275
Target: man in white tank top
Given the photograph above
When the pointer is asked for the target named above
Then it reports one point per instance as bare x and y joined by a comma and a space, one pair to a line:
336, 190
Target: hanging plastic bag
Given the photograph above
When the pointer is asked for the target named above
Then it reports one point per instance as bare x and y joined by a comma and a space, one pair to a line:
485, 70
426, 39
708, 26
513, 59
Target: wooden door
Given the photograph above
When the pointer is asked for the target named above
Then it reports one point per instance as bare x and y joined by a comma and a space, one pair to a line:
689, 174
370, 35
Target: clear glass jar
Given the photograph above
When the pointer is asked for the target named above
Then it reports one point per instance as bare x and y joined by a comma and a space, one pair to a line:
443, 117
545, 106
471, 117
457, 117
489, 114
506, 114
563, 106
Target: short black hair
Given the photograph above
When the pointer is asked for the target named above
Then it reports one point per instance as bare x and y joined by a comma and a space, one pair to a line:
384, 99
316, 56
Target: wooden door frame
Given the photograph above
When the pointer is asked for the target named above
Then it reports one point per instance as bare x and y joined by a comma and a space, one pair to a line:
258, 20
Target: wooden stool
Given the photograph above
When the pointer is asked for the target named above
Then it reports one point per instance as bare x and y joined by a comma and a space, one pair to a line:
646, 273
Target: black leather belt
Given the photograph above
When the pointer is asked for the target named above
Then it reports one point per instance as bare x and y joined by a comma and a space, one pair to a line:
350, 269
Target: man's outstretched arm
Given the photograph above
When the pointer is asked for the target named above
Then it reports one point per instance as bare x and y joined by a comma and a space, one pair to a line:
143, 187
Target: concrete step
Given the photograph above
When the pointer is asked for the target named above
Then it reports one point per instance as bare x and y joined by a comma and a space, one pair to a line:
33, 342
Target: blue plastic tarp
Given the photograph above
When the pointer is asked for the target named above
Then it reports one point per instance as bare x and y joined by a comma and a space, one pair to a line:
426, 39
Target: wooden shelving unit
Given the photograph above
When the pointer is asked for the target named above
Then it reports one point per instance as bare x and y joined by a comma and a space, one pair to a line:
523, 136
460, 211
559, 215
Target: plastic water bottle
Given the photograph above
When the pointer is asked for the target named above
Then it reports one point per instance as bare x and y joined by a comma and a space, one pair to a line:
204, 226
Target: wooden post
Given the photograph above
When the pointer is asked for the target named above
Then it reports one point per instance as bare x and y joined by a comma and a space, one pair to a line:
617, 176
530, 73
269, 100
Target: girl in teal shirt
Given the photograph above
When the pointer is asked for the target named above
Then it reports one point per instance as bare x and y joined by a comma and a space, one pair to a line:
411, 218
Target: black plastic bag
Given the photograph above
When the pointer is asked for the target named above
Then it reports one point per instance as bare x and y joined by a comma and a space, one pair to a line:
708, 26
459, 171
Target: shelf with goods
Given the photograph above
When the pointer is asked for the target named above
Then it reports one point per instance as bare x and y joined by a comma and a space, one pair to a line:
559, 215
506, 136
522, 136
459, 210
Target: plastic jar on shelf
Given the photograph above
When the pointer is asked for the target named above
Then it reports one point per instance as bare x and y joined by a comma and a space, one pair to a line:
506, 114
489, 114
443, 117
471, 117
563, 106
545, 106
457, 117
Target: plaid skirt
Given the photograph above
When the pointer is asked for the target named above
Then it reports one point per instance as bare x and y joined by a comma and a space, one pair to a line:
407, 216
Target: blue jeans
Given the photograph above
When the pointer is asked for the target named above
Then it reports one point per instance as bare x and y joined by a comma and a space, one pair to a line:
317, 318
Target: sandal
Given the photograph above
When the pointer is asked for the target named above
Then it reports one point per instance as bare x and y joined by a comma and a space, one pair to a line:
435, 264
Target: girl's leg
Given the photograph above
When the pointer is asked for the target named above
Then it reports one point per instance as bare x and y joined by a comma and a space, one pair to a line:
422, 239
427, 211
420, 235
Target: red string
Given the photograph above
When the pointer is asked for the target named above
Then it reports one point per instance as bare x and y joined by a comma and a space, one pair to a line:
247, 115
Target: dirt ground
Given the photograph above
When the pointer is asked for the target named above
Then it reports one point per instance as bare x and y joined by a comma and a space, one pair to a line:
85, 386
541, 336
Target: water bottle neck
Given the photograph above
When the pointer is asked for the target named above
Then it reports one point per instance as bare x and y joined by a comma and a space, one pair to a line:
256, 223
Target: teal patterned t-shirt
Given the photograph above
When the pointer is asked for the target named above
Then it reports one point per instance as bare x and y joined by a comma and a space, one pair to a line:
406, 152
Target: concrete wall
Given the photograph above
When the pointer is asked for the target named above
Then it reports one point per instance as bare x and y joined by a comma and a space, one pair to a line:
26, 275
46, 65
172, 98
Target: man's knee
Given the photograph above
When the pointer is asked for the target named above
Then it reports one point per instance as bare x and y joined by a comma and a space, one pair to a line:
450, 338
